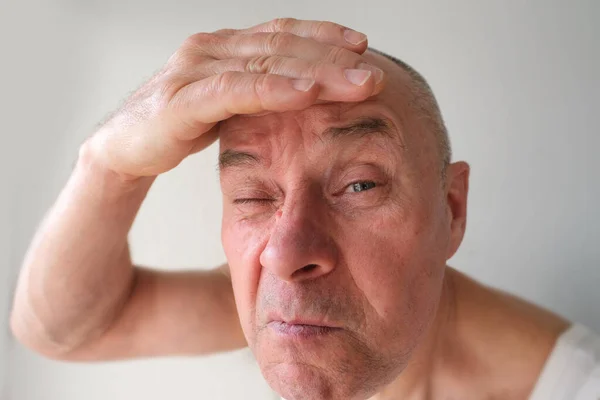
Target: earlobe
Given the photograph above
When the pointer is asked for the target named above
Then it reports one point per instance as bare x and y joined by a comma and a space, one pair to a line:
457, 193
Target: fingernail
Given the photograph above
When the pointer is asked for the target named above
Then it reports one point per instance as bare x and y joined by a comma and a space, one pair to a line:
354, 37
377, 72
357, 76
303, 85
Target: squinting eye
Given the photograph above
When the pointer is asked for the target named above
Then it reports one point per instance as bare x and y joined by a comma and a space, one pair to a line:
361, 186
246, 201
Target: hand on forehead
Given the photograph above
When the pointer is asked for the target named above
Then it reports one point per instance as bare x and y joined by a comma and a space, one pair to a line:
390, 102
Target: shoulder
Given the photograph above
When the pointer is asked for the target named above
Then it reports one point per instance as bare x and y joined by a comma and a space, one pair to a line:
572, 370
508, 339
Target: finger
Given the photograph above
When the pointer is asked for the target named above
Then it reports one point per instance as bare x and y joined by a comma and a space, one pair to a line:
203, 103
153, 146
321, 31
270, 43
205, 140
336, 82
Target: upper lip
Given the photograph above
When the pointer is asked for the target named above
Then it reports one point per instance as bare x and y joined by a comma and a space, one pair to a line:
302, 321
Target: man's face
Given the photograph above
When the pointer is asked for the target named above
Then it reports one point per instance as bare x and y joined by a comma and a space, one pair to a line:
336, 230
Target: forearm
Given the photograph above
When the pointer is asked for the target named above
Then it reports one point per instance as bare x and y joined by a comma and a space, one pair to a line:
77, 272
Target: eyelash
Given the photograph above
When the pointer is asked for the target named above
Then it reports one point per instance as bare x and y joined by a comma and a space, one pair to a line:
250, 200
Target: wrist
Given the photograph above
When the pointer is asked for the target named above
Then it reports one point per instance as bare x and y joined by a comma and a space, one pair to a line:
94, 172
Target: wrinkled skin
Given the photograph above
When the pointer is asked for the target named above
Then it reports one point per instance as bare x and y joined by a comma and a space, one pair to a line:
306, 244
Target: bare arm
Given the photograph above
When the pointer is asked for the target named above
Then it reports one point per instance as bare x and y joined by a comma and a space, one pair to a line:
80, 297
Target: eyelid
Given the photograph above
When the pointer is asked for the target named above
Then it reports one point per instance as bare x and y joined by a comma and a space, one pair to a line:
361, 170
251, 188
246, 200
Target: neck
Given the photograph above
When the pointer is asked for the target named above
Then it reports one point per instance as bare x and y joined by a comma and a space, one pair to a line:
416, 380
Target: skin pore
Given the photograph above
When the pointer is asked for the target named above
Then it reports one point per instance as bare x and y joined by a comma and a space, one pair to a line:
337, 216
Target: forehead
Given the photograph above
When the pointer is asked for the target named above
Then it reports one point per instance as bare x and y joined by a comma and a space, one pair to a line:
390, 104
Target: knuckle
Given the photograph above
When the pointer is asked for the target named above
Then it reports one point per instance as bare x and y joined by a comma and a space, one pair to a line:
201, 39
283, 24
225, 32
336, 54
191, 53
225, 81
164, 91
182, 59
262, 86
314, 68
237, 64
321, 28
201, 43
277, 41
259, 64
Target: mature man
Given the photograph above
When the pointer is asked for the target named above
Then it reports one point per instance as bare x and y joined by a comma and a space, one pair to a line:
341, 208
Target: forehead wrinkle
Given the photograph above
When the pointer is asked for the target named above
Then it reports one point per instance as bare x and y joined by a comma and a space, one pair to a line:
339, 122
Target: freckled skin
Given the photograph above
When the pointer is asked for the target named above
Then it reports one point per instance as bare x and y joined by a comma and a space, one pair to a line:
379, 255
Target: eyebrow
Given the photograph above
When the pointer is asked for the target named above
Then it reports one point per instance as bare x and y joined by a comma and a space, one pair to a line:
234, 158
362, 127
357, 128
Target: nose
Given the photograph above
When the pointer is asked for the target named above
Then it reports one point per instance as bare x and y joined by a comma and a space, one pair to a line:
300, 246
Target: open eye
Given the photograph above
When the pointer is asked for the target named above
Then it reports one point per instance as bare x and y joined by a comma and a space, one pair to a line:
360, 186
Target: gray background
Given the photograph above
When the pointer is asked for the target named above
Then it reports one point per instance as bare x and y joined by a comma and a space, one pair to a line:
517, 82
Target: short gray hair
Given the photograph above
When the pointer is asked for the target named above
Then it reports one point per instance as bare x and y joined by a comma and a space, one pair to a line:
427, 107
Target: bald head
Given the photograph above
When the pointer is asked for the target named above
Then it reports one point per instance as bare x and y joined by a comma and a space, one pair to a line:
424, 104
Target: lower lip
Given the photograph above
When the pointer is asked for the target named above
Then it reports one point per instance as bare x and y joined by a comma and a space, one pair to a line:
300, 331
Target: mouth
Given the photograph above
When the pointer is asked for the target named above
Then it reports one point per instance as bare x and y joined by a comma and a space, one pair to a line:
300, 329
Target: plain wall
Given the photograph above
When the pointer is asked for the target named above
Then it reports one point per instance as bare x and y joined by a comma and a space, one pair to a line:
517, 83
5, 262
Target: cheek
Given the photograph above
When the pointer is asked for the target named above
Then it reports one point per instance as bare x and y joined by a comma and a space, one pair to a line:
399, 275
243, 244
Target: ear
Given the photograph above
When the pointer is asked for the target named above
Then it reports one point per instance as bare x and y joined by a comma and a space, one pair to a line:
457, 189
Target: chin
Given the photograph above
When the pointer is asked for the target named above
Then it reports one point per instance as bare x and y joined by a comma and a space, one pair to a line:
295, 381
301, 380
327, 365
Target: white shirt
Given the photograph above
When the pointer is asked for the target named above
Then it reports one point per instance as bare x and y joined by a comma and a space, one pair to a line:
572, 371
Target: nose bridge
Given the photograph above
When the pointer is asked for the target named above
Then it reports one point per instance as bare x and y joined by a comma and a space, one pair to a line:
300, 245
300, 229
298, 218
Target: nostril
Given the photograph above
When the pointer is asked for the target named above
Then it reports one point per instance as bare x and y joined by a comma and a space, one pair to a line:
309, 268
305, 270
